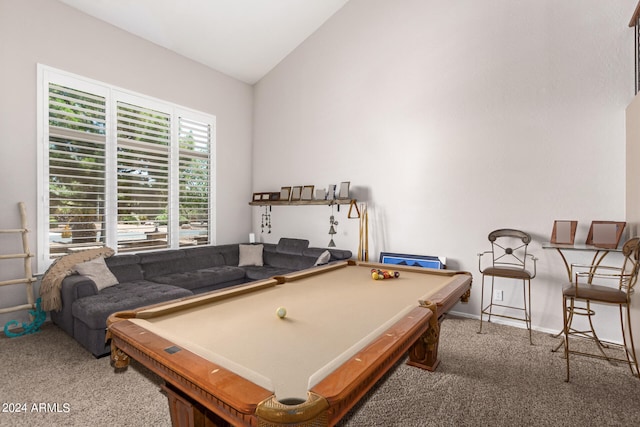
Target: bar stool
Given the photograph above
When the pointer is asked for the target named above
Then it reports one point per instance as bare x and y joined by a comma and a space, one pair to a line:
614, 287
508, 261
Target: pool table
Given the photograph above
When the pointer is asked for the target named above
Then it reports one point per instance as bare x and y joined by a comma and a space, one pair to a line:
226, 357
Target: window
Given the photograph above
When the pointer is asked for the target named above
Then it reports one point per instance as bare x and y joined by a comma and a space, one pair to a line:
119, 169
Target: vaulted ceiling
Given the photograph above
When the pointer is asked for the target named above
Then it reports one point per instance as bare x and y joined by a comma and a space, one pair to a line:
242, 38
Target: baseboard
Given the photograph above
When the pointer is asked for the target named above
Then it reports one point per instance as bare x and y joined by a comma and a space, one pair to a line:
502, 321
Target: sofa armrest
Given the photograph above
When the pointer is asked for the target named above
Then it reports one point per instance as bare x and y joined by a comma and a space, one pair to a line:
77, 286
73, 287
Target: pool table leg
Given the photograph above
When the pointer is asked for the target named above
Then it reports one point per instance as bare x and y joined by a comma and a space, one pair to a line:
424, 352
185, 412
119, 359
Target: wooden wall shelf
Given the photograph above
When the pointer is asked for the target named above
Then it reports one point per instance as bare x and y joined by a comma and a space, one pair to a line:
302, 202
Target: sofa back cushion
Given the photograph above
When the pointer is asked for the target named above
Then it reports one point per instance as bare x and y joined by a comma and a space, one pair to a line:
162, 263
292, 246
126, 268
202, 257
231, 254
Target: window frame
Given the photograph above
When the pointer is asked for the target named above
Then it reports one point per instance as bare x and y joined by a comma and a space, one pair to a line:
113, 95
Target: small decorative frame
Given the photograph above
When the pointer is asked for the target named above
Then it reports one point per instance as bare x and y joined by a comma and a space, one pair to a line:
257, 197
564, 232
296, 192
265, 196
307, 192
605, 234
285, 193
344, 190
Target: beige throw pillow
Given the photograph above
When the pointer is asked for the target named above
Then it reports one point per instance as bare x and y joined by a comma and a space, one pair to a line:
250, 255
97, 270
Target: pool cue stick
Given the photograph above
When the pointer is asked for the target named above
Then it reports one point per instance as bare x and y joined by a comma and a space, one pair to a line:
362, 215
366, 233
361, 236
367, 237
360, 239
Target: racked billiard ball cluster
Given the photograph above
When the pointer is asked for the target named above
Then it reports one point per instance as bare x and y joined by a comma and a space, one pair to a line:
377, 274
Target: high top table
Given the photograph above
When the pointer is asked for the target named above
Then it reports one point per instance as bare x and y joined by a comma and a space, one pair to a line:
599, 253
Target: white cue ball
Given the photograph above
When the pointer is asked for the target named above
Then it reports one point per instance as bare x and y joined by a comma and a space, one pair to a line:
281, 312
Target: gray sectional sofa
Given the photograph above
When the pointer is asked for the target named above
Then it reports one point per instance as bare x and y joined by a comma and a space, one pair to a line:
154, 277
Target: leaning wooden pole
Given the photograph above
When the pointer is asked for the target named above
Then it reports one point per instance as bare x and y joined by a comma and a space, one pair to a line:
28, 255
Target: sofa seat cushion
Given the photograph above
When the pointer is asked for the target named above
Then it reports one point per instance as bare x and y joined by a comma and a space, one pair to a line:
94, 310
203, 277
265, 272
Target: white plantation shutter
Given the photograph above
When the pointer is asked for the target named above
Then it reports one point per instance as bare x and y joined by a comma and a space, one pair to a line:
194, 171
120, 169
76, 179
144, 137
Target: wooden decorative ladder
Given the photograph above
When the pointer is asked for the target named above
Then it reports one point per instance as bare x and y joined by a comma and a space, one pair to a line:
36, 314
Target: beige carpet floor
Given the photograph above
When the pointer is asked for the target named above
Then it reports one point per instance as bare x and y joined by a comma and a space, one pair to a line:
495, 378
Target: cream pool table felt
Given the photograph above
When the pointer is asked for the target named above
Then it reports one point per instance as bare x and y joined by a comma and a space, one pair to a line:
233, 356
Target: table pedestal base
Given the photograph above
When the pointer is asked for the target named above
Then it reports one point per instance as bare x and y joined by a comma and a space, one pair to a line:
424, 352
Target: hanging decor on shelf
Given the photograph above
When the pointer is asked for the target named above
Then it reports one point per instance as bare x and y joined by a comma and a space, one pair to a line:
332, 228
266, 220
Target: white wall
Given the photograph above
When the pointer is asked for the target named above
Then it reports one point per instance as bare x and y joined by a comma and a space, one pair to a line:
633, 198
454, 118
49, 32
